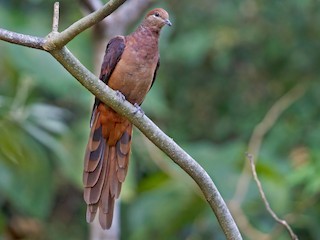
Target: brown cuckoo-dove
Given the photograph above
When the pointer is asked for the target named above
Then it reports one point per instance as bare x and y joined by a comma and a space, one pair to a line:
129, 66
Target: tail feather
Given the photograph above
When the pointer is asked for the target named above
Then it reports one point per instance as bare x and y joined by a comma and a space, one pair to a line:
91, 212
92, 194
94, 147
91, 178
105, 219
106, 164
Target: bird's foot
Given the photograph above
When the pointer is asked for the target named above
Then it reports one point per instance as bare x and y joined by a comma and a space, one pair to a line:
138, 109
120, 95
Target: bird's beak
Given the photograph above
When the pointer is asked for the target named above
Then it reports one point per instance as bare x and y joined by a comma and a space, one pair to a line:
167, 21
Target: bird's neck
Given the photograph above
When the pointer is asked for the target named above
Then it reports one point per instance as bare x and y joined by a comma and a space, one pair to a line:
145, 38
145, 30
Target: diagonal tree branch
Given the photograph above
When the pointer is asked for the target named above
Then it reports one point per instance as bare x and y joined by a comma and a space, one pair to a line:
55, 46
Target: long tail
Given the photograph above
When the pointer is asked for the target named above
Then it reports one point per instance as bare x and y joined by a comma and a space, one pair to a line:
106, 163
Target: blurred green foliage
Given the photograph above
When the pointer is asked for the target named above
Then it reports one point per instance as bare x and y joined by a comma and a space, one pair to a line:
224, 64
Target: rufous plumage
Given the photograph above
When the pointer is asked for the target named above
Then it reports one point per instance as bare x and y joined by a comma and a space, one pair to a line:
129, 66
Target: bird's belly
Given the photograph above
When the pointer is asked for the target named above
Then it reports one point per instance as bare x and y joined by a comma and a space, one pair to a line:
133, 80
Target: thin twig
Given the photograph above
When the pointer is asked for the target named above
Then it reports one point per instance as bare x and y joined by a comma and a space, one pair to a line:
55, 21
284, 223
261, 130
254, 145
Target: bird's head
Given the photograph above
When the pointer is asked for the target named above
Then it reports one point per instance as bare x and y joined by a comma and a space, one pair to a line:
157, 18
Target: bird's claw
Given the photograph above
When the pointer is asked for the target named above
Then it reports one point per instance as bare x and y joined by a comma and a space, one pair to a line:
138, 109
120, 95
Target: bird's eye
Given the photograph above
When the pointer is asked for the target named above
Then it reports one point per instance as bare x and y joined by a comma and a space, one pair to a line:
157, 14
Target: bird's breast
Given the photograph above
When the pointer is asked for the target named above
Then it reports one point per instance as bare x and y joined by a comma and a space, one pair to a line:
134, 72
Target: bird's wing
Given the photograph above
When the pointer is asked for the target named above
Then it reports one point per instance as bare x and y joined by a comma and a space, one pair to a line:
111, 57
155, 73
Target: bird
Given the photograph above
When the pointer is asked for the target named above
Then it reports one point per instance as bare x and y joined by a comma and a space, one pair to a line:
129, 67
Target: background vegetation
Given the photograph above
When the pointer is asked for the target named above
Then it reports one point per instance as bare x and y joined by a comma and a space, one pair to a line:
224, 65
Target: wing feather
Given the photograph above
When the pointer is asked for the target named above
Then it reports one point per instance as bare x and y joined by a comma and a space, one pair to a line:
111, 57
